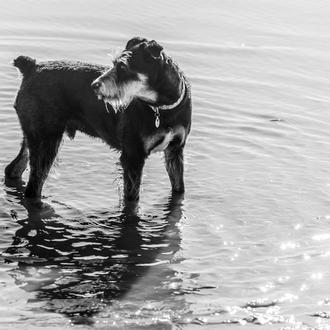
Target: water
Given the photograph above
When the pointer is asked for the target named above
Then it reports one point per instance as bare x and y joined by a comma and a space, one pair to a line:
249, 244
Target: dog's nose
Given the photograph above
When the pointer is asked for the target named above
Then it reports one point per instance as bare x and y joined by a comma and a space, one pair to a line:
96, 85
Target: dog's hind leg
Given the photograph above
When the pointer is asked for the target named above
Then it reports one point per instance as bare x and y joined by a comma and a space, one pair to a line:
15, 169
174, 167
43, 151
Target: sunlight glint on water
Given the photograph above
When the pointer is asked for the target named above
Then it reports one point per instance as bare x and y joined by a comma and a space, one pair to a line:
250, 243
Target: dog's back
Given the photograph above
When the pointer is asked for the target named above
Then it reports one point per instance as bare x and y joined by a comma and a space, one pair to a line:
56, 96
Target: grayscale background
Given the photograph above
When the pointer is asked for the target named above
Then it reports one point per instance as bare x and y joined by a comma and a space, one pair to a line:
250, 246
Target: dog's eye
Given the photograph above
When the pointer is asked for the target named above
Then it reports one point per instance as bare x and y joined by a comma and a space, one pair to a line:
122, 67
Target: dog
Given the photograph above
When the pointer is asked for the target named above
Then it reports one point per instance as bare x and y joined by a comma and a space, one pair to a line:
139, 105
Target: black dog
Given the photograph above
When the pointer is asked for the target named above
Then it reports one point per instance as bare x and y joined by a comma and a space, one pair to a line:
143, 106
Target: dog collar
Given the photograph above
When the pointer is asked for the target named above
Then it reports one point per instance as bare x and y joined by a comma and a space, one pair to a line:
167, 106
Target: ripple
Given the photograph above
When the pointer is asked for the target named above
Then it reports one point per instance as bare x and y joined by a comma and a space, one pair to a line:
248, 245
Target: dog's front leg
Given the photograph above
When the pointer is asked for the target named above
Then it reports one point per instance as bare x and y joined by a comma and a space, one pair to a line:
132, 166
174, 167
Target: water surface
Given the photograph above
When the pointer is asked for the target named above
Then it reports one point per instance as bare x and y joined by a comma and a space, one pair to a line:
248, 246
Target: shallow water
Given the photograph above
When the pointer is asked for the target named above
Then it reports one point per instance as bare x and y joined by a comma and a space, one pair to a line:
249, 244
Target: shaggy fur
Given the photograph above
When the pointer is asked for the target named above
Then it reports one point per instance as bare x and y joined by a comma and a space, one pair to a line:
56, 97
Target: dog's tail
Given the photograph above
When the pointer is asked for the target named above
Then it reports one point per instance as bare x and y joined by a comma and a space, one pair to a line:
25, 64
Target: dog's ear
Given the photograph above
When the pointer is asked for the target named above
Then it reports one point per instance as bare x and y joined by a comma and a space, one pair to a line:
154, 49
134, 41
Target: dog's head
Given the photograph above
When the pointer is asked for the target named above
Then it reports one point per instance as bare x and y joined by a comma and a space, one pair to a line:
132, 75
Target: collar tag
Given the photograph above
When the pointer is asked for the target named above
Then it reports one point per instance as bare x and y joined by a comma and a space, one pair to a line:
157, 119
168, 107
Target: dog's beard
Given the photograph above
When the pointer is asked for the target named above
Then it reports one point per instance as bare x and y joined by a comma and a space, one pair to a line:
115, 95
116, 104
126, 92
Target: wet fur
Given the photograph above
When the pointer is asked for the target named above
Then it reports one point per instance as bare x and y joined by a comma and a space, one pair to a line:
56, 97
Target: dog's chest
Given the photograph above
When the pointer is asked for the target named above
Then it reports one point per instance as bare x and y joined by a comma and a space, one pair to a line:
162, 138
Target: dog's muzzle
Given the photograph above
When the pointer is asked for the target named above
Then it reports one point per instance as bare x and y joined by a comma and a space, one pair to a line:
98, 88
107, 95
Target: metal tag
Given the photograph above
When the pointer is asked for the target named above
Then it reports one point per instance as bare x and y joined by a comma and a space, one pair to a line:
157, 120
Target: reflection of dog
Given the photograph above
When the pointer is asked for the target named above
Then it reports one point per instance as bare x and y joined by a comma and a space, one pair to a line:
97, 265
56, 96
